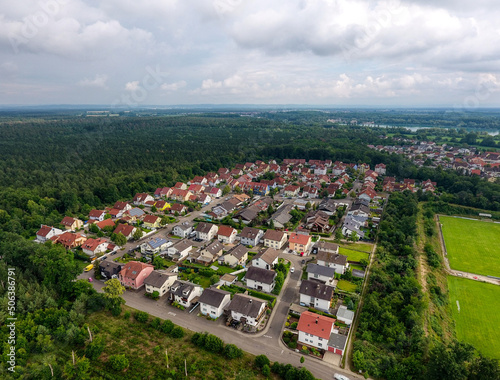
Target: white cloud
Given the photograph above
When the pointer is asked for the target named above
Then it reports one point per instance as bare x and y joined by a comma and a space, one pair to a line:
132, 86
98, 81
173, 86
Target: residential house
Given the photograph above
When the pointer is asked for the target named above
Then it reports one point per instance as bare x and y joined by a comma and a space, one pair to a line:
344, 315
181, 195
226, 234
251, 236
291, 191
318, 221
215, 192
275, 239
163, 192
328, 206
380, 169
309, 192
206, 231
282, 216
353, 224
210, 253
160, 281
97, 215
134, 273
105, 223
71, 224
185, 293
316, 294
123, 206
178, 208
151, 221
154, 246
266, 259
134, 215
299, 242
237, 255
180, 185
162, 205
247, 310
180, 250
315, 330
246, 215
126, 230
368, 194
47, 233
92, 247
260, 279
110, 269
213, 301
196, 189
325, 246
320, 273
70, 240
142, 198
182, 230
204, 199
332, 260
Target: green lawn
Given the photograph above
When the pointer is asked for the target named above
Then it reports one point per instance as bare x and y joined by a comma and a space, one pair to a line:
472, 246
479, 317
353, 255
358, 246
346, 286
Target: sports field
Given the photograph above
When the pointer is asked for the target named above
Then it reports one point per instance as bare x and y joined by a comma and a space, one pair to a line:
472, 246
479, 316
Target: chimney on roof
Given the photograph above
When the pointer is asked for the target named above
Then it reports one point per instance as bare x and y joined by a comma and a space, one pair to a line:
317, 320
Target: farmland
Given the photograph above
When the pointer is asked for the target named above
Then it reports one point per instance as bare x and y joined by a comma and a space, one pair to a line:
472, 246
478, 319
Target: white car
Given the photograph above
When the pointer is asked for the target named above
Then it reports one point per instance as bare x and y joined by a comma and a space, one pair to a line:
338, 376
292, 269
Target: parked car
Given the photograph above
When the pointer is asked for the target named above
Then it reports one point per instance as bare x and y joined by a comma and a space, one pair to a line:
292, 269
89, 267
338, 376
303, 262
90, 279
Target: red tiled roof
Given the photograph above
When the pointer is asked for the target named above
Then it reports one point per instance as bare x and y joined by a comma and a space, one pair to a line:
299, 238
150, 219
225, 230
96, 213
133, 268
315, 324
67, 221
105, 223
44, 230
125, 229
92, 244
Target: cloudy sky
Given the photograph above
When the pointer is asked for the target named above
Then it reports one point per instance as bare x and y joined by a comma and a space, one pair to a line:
338, 52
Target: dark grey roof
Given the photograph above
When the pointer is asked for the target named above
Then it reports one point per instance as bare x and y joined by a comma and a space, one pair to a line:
337, 341
182, 288
261, 275
158, 277
184, 226
248, 214
250, 233
204, 227
321, 270
214, 247
358, 273
238, 251
316, 289
228, 206
327, 205
330, 257
361, 201
282, 216
109, 266
136, 212
274, 235
246, 305
213, 296
360, 207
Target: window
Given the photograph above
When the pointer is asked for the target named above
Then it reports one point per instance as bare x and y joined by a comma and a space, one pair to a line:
319, 344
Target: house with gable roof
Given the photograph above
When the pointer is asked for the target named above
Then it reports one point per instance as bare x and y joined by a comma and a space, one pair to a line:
134, 273
213, 301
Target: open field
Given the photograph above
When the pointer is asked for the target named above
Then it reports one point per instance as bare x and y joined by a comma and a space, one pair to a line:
346, 286
472, 246
479, 317
358, 246
353, 255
